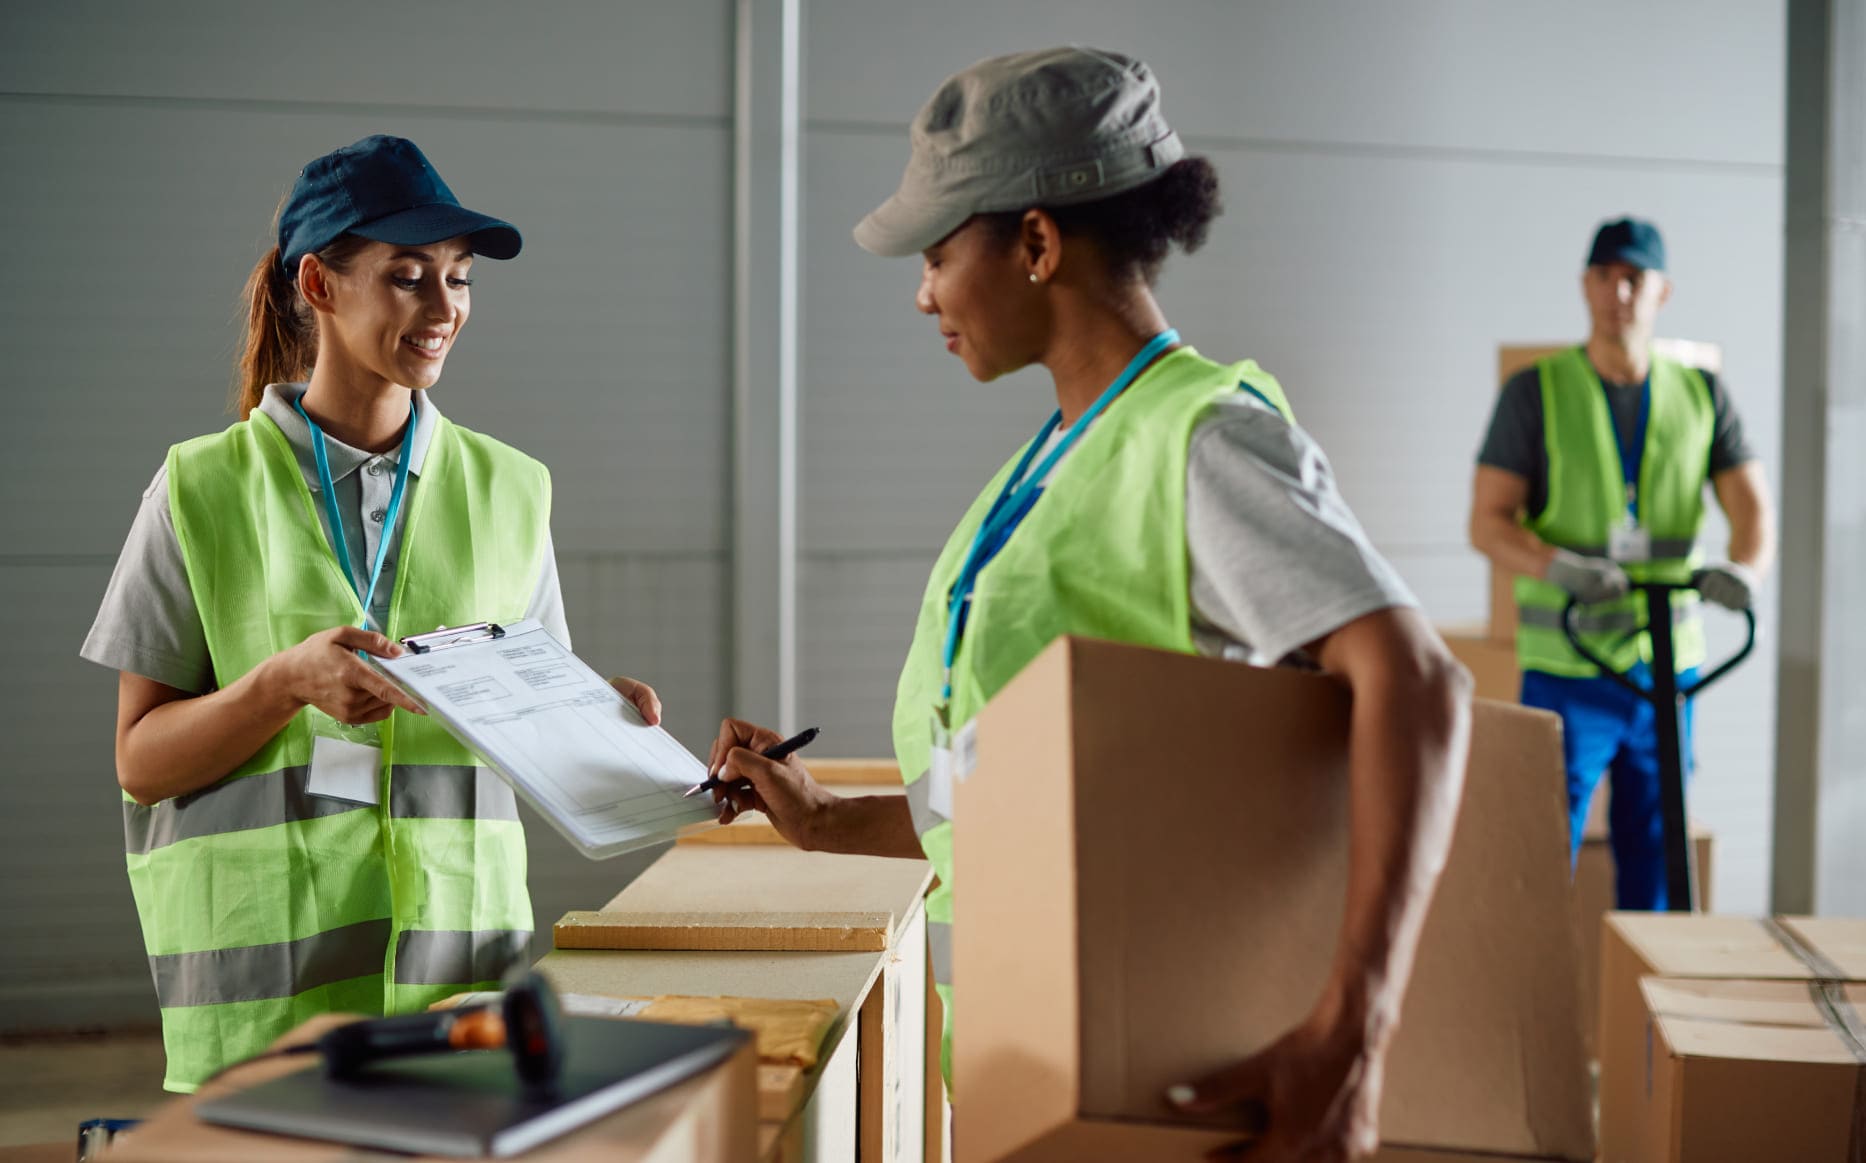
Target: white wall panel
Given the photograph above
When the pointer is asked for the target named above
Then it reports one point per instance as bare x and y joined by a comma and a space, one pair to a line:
858, 617
68, 929
488, 58
1660, 79
601, 349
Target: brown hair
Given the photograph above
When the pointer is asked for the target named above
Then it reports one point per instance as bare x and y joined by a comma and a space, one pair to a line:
281, 335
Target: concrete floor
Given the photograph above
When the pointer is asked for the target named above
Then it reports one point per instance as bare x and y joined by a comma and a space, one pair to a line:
50, 1085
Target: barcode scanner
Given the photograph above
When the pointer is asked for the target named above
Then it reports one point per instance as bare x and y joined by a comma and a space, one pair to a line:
526, 1021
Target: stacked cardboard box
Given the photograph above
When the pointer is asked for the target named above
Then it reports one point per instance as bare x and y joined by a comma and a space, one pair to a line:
1151, 856
1748, 1070
1743, 1005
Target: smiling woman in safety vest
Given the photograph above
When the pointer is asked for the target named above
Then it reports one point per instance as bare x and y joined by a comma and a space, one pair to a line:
1171, 502
300, 837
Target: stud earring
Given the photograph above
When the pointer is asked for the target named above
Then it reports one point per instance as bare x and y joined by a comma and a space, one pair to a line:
1033, 277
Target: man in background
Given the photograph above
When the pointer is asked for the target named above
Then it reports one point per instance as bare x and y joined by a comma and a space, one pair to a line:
1592, 477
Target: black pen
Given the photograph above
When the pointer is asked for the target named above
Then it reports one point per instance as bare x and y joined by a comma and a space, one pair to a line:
777, 751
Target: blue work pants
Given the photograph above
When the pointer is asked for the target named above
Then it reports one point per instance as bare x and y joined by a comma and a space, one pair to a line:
1608, 730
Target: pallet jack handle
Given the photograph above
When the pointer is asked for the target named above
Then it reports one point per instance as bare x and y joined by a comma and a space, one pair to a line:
1667, 705
1658, 598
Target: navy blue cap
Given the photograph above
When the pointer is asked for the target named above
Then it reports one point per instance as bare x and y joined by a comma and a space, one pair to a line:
1629, 240
381, 188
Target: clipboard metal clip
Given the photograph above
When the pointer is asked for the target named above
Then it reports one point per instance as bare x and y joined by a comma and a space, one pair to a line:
446, 638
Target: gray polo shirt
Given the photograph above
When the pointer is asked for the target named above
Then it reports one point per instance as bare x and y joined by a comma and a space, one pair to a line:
1278, 559
148, 623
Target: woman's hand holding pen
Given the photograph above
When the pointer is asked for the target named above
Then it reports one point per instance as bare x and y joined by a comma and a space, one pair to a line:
324, 672
782, 789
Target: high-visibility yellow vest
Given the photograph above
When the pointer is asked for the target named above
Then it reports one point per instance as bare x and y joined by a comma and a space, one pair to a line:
1587, 499
262, 905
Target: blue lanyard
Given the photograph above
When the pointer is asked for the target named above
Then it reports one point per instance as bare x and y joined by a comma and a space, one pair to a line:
1020, 492
322, 456
1633, 450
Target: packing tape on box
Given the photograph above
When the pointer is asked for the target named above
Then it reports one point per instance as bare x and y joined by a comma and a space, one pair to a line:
1830, 998
1816, 961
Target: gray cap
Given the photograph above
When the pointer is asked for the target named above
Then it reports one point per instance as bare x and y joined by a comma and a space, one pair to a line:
1046, 128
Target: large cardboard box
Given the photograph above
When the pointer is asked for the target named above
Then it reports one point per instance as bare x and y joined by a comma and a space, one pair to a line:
1750, 1070
1150, 861
1675, 945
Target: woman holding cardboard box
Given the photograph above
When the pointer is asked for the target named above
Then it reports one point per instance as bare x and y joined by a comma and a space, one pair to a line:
1172, 502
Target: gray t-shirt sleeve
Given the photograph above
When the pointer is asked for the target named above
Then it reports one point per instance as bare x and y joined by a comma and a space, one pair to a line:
148, 623
1730, 445
1278, 559
547, 599
1515, 441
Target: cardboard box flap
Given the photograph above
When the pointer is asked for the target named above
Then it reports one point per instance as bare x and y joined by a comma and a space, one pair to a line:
1710, 1038
1767, 1003
1840, 940
1774, 1021
1695, 945
1740, 1071
1185, 912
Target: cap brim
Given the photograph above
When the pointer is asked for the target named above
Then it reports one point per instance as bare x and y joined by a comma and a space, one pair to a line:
421, 225
1643, 260
897, 227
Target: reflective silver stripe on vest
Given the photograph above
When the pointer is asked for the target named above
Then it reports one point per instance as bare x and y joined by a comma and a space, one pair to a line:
457, 957
240, 805
919, 796
939, 950
449, 791
259, 972
1601, 622
1661, 549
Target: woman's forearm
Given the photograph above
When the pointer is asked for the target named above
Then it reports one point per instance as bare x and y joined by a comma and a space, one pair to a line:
868, 826
1407, 751
184, 744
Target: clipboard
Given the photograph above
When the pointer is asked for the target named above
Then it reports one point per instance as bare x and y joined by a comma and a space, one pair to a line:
554, 730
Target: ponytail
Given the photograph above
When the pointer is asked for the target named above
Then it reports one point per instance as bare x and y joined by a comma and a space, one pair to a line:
281, 341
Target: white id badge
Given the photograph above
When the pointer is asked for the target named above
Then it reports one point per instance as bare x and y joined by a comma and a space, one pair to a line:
939, 765
345, 761
1629, 543
939, 781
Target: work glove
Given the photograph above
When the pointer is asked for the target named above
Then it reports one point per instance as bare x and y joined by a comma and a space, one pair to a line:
1592, 579
1726, 583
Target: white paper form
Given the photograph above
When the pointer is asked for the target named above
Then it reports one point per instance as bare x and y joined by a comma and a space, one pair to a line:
561, 736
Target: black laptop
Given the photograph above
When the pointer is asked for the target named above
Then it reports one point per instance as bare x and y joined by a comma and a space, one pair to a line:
472, 1103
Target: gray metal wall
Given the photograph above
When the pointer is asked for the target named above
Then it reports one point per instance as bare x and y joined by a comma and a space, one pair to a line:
1408, 187
146, 148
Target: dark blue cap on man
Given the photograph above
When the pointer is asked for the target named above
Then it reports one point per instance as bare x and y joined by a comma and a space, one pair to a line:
1633, 241
382, 188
